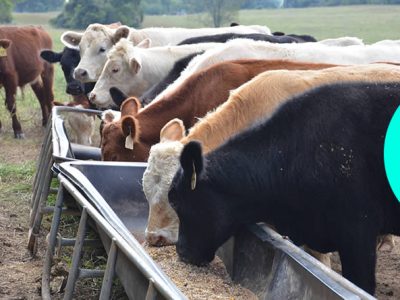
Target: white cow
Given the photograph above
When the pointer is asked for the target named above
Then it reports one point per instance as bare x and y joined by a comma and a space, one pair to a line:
317, 53
98, 39
134, 69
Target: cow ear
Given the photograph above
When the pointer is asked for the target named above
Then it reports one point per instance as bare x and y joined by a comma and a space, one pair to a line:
134, 65
192, 163
110, 115
130, 131
118, 96
71, 39
5, 43
121, 32
174, 130
130, 107
146, 43
114, 25
51, 56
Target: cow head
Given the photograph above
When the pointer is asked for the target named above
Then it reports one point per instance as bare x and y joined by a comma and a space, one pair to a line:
122, 70
205, 222
93, 45
163, 162
68, 58
120, 139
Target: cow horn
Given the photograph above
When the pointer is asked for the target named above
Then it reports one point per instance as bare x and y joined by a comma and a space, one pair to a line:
194, 178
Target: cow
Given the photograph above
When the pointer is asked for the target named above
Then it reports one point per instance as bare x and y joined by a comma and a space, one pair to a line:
248, 104
118, 96
82, 125
98, 39
224, 37
198, 95
132, 68
318, 53
215, 82
68, 58
175, 72
302, 37
314, 170
20, 64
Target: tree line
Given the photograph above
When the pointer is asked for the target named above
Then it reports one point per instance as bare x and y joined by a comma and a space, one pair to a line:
80, 13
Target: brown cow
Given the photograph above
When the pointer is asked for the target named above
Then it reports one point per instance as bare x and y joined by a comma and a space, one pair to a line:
20, 64
196, 96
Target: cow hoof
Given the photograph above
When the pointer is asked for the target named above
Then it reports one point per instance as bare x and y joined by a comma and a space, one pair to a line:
19, 136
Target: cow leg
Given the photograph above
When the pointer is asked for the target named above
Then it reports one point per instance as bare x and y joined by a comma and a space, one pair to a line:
11, 90
48, 79
41, 95
358, 257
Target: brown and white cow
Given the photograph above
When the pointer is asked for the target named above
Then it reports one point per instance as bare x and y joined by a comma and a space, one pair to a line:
20, 64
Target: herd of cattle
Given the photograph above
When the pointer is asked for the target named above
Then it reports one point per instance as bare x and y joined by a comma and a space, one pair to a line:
238, 125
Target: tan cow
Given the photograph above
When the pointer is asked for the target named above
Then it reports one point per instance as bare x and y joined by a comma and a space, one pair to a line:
251, 102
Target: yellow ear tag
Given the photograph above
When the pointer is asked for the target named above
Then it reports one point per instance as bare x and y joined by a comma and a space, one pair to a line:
129, 142
194, 178
3, 52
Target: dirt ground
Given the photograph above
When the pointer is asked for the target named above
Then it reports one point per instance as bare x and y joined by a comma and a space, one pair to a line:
21, 274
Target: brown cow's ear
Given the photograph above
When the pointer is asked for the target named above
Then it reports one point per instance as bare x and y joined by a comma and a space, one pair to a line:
121, 32
71, 39
174, 130
5, 43
146, 43
130, 131
134, 65
130, 107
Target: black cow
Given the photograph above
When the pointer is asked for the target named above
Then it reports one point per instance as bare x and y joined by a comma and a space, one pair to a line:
69, 59
224, 37
118, 96
314, 171
302, 37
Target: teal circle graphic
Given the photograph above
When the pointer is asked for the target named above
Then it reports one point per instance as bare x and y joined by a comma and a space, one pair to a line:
391, 153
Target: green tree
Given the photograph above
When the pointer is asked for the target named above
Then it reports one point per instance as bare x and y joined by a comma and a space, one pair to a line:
38, 5
6, 7
221, 12
80, 13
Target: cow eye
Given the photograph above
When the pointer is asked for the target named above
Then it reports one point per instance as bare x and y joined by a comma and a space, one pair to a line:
102, 49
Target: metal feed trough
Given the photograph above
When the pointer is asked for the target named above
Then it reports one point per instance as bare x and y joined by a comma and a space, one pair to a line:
56, 148
110, 194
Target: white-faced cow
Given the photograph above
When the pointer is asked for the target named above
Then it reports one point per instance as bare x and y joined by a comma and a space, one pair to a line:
135, 69
98, 39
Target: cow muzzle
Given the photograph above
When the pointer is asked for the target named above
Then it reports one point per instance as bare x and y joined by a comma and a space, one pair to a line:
81, 75
92, 97
75, 88
158, 240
